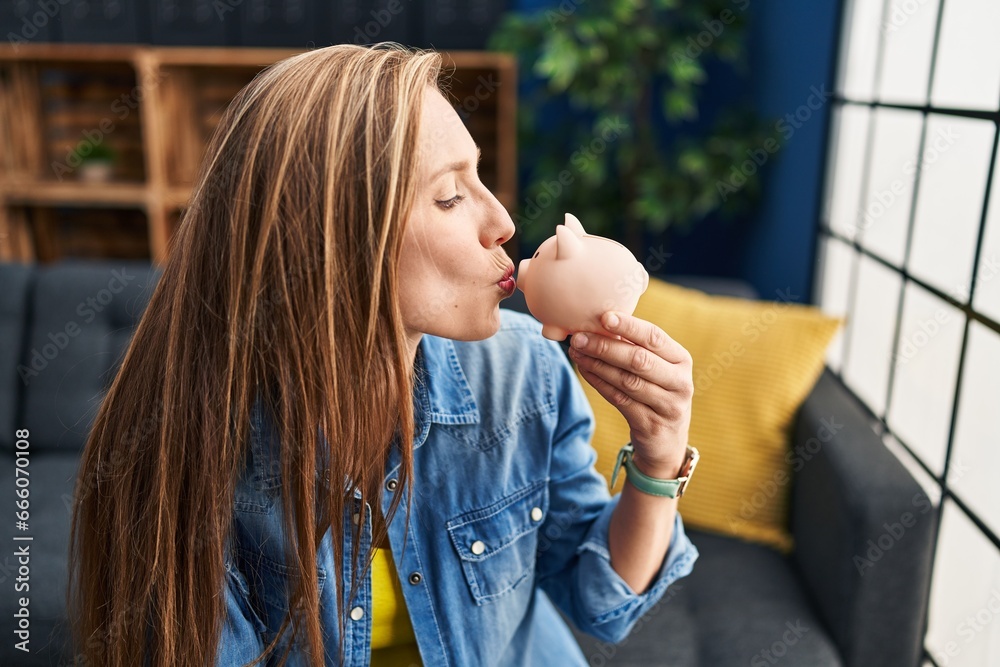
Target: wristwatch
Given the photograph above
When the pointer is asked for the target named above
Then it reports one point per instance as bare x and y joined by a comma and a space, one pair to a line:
671, 488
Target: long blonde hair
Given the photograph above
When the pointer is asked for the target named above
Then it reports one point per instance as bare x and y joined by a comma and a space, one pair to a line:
282, 279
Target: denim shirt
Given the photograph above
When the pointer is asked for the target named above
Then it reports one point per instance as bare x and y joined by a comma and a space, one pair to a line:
509, 520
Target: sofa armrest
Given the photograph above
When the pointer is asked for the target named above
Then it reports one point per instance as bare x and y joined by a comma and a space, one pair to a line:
863, 529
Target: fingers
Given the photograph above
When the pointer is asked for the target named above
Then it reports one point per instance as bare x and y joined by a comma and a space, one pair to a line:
646, 334
639, 369
610, 392
633, 368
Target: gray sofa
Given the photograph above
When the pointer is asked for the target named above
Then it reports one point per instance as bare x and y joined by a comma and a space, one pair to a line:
65, 326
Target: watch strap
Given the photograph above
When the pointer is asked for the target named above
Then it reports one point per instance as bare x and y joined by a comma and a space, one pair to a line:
654, 486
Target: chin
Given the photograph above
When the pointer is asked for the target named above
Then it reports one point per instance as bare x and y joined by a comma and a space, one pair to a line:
463, 321
478, 329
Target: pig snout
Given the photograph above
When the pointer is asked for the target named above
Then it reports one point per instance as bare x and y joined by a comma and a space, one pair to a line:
522, 274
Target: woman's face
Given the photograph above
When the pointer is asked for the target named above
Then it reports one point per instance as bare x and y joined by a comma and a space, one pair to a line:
452, 256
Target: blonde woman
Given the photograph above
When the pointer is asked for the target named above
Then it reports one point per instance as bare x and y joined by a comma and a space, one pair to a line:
326, 338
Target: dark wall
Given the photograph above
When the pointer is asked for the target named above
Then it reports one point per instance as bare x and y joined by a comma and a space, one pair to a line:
792, 51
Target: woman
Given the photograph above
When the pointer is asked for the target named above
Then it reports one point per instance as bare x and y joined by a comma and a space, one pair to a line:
329, 311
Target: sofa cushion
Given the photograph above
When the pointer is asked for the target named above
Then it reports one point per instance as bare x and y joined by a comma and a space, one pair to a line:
741, 605
754, 364
14, 312
84, 317
52, 476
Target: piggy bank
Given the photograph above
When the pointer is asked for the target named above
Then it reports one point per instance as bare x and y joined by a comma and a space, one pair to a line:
575, 277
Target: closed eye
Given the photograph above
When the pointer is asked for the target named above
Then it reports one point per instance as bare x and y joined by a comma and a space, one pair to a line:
449, 203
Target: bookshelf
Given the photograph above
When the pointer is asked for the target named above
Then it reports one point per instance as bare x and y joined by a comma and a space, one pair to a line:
156, 107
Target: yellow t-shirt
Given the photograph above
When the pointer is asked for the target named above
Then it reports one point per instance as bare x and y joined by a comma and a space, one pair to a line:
393, 642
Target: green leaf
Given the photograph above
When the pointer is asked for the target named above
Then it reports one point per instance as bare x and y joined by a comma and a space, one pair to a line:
559, 61
606, 27
597, 54
685, 70
624, 11
586, 30
693, 162
679, 104
646, 36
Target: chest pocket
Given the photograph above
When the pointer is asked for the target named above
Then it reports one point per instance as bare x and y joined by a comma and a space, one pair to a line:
497, 544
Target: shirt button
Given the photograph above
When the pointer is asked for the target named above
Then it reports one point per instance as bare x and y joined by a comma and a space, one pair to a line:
478, 547
415, 578
357, 613
536, 513
357, 518
391, 484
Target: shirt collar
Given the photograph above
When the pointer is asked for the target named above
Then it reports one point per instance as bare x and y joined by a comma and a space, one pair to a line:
441, 390
441, 394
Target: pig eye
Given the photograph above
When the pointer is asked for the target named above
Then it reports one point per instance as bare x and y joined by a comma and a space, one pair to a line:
535, 255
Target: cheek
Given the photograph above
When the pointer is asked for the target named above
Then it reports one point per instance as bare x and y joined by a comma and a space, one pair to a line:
438, 272
446, 264
428, 298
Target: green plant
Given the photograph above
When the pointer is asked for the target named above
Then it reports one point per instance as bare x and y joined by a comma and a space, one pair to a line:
91, 152
642, 159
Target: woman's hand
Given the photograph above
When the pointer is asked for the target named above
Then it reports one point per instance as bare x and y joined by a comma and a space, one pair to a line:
648, 377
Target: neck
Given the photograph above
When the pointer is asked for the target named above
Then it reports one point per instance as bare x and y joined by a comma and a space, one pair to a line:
413, 342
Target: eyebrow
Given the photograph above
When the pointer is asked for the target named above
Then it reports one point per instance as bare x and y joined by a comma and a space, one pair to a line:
458, 166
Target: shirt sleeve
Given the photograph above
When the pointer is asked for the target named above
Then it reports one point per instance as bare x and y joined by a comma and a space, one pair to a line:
574, 562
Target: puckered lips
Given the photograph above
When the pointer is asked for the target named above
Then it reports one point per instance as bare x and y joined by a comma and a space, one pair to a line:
506, 282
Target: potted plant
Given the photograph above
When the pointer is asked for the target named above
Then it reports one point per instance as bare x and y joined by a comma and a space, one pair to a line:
97, 164
636, 157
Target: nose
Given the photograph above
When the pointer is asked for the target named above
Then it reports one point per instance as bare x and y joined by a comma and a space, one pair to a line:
500, 221
508, 228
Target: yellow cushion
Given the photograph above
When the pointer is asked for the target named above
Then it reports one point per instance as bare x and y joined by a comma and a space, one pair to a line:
393, 642
755, 362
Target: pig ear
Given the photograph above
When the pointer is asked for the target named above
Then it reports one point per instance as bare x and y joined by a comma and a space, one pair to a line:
574, 224
568, 244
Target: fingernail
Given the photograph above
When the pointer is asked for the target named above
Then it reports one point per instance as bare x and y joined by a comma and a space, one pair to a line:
612, 320
580, 340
